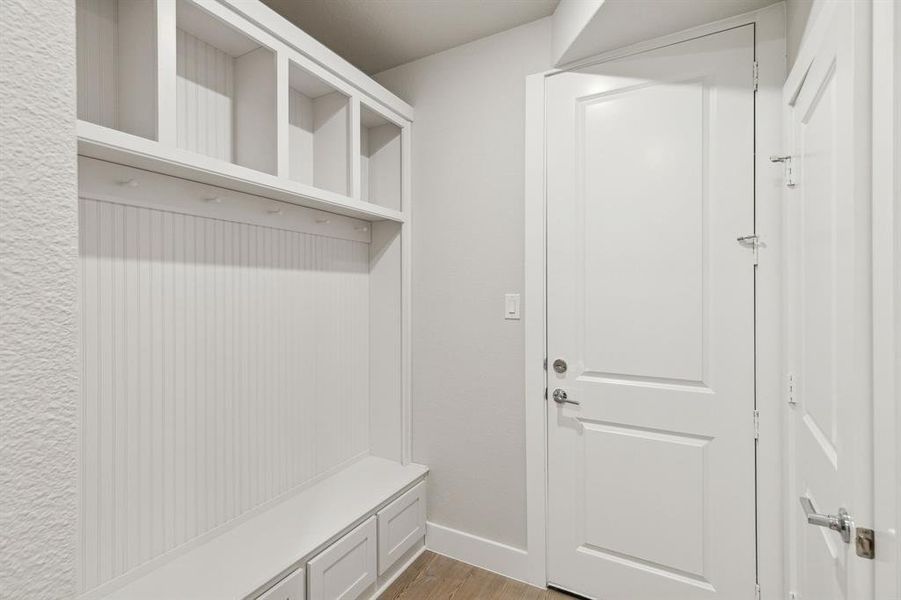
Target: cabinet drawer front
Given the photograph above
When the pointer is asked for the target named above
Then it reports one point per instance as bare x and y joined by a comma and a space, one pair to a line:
347, 568
401, 526
290, 588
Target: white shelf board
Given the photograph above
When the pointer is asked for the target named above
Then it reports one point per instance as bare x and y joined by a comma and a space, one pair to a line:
252, 556
96, 141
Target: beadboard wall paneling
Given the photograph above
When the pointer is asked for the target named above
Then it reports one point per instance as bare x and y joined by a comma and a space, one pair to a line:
224, 364
205, 91
97, 33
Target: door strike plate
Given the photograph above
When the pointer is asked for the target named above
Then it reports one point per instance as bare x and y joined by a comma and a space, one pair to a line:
865, 543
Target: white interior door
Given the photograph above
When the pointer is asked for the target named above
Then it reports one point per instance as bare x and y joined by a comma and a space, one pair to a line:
828, 317
651, 305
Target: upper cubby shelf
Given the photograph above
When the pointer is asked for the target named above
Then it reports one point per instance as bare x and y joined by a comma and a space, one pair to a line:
318, 141
224, 92
380, 159
117, 64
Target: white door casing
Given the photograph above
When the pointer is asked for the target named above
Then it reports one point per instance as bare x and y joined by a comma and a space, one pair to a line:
650, 302
828, 312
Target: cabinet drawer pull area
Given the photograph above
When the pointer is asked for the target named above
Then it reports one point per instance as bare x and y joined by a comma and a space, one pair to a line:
346, 570
401, 526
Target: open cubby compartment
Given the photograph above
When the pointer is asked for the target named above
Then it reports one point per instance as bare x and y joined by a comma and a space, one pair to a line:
116, 47
380, 159
225, 91
318, 139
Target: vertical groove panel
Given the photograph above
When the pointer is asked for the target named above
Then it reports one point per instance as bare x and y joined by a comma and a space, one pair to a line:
204, 97
224, 365
97, 49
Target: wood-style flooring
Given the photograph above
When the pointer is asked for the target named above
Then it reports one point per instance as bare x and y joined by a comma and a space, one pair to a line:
436, 577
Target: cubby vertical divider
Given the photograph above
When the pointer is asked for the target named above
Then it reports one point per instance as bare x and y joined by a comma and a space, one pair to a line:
166, 72
356, 181
283, 114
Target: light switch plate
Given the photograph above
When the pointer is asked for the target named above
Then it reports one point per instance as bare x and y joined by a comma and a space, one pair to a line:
511, 307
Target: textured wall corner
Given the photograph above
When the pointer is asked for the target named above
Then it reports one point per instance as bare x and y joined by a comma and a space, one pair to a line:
38, 295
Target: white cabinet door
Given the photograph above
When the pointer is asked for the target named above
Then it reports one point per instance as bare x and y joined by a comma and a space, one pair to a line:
401, 525
347, 568
830, 427
650, 302
290, 588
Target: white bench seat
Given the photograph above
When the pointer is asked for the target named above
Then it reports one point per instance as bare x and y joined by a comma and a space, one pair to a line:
249, 558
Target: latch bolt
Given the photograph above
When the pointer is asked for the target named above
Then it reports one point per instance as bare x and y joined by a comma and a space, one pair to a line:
789, 171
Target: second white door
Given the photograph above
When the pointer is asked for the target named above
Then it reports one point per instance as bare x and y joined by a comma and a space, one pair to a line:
651, 308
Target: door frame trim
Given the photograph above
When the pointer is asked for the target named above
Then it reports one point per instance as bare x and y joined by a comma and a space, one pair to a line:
886, 190
770, 55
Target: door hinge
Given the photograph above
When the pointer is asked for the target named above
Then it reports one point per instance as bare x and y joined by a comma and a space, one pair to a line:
545, 363
756, 424
786, 161
757, 591
545, 393
750, 241
756, 75
791, 390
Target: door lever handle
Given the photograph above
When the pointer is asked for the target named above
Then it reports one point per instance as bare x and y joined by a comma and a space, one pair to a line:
560, 397
842, 522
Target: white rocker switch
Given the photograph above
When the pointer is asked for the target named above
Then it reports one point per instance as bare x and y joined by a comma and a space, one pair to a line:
511, 307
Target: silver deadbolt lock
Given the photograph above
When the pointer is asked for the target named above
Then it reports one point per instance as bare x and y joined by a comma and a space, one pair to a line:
560, 366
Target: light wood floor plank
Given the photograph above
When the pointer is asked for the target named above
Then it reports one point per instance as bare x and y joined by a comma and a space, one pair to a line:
451, 575
408, 576
436, 577
481, 584
517, 590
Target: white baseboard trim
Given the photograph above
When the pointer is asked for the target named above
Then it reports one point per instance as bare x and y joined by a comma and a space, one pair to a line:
480, 552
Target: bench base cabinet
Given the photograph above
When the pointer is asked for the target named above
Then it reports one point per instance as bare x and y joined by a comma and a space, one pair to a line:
290, 588
346, 570
401, 526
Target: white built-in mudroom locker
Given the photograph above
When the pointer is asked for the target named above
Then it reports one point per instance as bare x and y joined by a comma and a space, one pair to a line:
450, 299
244, 253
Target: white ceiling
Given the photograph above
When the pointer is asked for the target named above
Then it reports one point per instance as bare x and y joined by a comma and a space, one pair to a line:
375, 35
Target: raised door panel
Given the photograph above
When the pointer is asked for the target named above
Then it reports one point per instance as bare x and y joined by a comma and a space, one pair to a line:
401, 525
642, 241
290, 588
347, 569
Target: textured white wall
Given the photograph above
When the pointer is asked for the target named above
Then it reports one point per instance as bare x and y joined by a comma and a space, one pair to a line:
38, 283
468, 149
